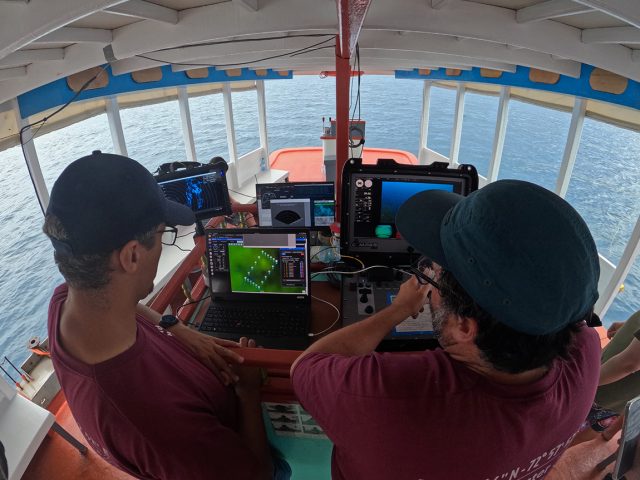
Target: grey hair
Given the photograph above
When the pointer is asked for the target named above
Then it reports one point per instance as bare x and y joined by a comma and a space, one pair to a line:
89, 271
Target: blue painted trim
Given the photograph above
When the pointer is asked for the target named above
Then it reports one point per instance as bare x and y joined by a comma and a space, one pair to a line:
578, 87
58, 92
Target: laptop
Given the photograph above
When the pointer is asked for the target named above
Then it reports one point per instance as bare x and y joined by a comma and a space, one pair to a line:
259, 282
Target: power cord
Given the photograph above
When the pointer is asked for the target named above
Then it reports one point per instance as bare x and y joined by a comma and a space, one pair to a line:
190, 303
334, 322
355, 272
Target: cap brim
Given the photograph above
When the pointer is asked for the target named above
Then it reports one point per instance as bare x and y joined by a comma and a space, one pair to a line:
177, 214
419, 220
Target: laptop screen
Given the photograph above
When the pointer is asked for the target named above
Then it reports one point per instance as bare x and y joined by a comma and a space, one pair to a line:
258, 262
299, 204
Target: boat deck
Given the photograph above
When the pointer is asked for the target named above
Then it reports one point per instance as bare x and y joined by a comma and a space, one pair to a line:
56, 459
306, 164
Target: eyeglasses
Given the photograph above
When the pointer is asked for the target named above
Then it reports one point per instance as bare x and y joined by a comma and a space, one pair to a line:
169, 235
424, 272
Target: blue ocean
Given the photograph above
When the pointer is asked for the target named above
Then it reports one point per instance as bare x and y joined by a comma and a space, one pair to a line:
605, 186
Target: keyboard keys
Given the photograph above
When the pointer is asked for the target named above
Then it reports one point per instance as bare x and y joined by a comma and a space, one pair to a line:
274, 321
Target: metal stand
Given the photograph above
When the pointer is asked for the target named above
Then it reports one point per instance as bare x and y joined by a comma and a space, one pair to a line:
56, 427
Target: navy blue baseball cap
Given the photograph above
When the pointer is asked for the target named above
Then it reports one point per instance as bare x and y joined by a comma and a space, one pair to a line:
520, 251
105, 200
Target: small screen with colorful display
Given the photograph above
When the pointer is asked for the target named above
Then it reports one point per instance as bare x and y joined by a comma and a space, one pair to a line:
259, 263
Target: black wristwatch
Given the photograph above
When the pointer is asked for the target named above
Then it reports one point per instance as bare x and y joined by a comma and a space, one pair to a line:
168, 321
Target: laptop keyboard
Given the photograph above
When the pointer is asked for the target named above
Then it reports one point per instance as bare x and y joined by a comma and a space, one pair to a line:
272, 321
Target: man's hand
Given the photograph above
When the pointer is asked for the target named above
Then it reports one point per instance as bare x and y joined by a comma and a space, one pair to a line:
613, 329
614, 428
411, 297
215, 353
249, 378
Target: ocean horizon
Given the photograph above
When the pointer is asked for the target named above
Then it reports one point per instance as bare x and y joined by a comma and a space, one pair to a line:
604, 188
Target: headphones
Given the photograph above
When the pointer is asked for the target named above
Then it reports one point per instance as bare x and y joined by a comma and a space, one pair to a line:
171, 167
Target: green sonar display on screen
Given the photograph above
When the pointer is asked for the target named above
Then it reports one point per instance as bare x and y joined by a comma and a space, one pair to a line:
257, 270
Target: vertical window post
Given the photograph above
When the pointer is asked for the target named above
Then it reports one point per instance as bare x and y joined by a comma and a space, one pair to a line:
115, 126
424, 123
187, 130
454, 151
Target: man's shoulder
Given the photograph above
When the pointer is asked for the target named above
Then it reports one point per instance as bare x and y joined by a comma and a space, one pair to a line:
394, 373
587, 343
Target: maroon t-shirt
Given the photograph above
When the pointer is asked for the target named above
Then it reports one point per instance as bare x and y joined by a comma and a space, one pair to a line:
154, 410
427, 416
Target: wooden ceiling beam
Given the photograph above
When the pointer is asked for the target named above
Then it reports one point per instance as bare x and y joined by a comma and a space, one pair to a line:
251, 5
15, 72
548, 10
145, 10
26, 57
625, 10
77, 35
25, 24
611, 35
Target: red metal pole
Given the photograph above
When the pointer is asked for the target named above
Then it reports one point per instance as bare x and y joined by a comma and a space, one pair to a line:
343, 76
351, 14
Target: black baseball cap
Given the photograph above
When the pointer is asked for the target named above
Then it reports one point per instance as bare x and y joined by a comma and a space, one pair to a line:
105, 200
520, 251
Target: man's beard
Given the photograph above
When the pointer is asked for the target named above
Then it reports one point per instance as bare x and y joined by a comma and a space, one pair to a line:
439, 319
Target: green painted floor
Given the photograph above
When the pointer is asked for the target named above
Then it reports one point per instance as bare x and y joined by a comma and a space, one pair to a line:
309, 458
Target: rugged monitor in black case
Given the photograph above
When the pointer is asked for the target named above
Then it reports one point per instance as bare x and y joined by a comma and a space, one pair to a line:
204, 189
371, 196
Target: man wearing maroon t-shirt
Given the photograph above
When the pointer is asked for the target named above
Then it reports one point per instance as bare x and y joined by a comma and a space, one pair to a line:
511, 275
144, 401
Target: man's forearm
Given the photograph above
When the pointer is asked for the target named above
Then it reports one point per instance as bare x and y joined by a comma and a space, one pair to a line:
360, 338
619, 366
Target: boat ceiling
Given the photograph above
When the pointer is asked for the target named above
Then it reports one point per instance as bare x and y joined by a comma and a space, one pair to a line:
43, 40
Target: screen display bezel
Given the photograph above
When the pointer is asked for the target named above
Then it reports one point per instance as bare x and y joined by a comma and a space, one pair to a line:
262, 186
391, 251
276, 297
224, 209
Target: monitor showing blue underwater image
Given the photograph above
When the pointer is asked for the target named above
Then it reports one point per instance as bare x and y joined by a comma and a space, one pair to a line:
203, 189
373, 196
395, 194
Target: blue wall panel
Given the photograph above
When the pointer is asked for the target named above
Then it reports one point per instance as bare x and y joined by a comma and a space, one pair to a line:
572, 86
58, 92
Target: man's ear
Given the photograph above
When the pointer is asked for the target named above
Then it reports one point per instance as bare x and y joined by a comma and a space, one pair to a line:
466, 329
128, 257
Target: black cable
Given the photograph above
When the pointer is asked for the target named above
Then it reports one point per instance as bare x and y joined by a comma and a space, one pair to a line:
243, 194
320, 251
186, 234
313, 50
44, 120
178, 247
190, 303
243, 40
301, 50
